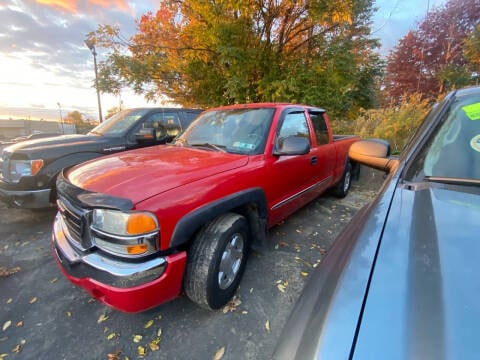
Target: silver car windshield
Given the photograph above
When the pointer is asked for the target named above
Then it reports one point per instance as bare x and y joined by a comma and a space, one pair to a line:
240, 131
454, 149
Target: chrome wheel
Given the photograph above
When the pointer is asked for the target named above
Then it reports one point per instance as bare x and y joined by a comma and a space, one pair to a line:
346, 183
231, 261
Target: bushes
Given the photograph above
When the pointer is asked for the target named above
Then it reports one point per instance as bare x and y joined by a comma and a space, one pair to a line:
396, 124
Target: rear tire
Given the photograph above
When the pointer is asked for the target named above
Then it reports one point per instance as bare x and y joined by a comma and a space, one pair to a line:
216, 261
341, 189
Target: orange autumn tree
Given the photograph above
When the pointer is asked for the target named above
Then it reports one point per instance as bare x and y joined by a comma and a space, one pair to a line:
208, 53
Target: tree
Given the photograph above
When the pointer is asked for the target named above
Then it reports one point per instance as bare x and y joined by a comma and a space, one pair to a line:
472, 51
208, 53
112, 111
74, 117
431, 59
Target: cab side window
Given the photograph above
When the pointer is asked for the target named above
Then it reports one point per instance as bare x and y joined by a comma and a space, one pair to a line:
294, 124
320, 126
166, 124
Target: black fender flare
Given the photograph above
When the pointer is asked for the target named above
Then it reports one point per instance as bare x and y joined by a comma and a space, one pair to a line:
193, 221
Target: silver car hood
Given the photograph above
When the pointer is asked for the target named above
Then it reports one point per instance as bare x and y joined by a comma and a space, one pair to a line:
422, 301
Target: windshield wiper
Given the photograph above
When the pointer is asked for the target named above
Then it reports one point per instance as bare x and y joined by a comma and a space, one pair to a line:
211, 146
454, 181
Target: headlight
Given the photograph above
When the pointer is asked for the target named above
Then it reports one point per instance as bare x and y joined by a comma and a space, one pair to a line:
125, 233
20, 168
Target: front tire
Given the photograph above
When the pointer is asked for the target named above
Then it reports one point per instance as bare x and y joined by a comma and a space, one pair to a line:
216, 261
342, 188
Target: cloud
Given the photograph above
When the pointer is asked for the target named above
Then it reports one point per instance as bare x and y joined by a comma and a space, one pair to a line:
74, 6
68, 6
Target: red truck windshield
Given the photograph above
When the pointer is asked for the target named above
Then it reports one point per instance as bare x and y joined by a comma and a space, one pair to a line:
240, 131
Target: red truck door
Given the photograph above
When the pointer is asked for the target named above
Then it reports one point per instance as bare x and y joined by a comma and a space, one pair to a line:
322, 151
292, 179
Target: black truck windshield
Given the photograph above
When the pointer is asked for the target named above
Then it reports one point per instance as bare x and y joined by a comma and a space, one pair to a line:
119, 123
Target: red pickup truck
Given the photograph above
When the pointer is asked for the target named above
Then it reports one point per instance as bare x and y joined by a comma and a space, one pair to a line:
135, 228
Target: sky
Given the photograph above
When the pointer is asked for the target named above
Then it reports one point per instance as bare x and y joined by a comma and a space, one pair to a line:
47, 71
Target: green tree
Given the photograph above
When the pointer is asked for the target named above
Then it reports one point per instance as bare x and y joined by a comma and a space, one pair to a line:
223, 52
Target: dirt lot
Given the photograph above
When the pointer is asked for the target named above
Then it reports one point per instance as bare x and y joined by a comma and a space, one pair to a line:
45, 317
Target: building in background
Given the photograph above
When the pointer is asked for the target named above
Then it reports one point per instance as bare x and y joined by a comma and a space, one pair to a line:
12, 128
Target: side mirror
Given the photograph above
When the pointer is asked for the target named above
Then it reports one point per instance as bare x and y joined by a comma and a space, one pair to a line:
145, 134
292, 145
374, 153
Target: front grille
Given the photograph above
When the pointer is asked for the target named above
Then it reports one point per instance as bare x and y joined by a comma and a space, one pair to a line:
76, 220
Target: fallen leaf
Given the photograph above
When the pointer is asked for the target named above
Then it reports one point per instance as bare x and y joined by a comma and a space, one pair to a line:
304, 273
9, 301
251, 290
153, 346
111, 336
68, 313
102, 318
267, 325
148, 324
232, 305
244, 312
33, 300
19, 324
17, 349
3, 356
23, 342
140, 350
4, 272
281, 288
114, 356
159, 332
219, 354
137, 338
54, 280
6, 325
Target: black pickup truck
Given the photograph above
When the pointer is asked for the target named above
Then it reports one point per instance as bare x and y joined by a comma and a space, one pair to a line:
29, 168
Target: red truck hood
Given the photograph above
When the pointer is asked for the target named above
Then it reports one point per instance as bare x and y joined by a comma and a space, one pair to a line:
140, 174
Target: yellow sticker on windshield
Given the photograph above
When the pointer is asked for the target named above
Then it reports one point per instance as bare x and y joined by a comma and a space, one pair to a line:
475, 143
472, 111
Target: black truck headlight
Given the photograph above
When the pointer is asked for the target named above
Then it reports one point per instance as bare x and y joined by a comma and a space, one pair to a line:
20, 168
125, 233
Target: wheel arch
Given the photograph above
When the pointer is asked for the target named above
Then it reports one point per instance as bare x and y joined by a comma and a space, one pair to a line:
51, 171
250, 203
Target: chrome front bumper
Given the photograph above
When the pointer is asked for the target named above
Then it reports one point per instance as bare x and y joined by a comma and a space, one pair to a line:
101, 267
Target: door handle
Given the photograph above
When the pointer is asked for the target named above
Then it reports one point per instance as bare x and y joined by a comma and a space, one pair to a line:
313, 160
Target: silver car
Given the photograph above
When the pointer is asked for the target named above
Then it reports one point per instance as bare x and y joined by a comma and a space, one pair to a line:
402, 280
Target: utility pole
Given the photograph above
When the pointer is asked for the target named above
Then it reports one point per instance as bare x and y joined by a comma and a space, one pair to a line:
91, 45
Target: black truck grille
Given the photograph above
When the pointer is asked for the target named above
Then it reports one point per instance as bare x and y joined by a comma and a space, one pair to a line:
75, 219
